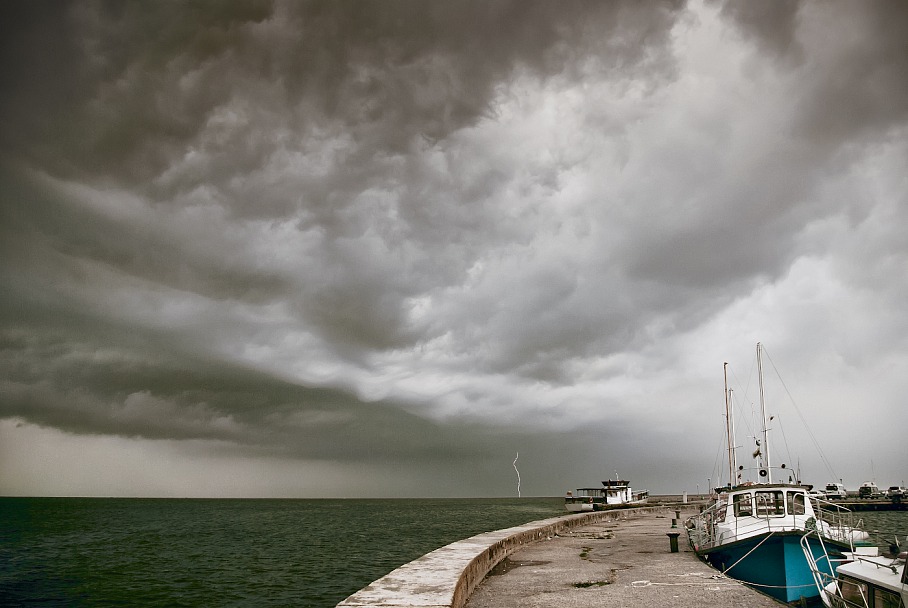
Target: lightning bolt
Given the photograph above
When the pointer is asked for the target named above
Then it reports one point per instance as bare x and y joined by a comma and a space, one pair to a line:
518, 475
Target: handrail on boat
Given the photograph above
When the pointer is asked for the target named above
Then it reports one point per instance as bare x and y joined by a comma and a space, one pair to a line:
823, 579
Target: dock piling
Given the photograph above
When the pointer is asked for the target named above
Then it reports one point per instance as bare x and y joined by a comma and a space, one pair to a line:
673, 540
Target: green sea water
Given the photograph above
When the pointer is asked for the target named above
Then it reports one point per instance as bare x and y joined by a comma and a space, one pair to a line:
885, 527
190, 552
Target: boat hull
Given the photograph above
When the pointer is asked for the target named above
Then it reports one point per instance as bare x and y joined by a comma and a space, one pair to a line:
773, 563
577, 507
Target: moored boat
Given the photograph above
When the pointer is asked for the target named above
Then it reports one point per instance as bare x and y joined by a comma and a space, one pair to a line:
753, 531
612, 493
863, 578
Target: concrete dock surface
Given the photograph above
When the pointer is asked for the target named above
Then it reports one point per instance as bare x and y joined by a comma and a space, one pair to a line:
621, 563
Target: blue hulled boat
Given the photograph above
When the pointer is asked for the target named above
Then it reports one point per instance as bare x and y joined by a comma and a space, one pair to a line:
753, 531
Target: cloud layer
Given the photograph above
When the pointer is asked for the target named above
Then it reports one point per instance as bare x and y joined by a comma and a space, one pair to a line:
422, 236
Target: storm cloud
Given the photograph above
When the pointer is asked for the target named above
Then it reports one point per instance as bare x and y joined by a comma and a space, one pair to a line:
412, 238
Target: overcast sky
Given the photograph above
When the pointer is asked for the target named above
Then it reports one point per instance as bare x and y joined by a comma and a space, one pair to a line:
379, 248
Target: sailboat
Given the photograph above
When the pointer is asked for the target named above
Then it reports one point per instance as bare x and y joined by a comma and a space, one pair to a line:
752, 531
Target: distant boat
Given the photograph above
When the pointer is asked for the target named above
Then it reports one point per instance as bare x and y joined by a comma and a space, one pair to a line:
752, 531
864, 579
869, 489
836, 491
612, 494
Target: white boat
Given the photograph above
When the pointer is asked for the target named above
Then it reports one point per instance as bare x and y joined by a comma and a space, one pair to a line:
752, 531
869, 489
612, 494
836, 491
862, 579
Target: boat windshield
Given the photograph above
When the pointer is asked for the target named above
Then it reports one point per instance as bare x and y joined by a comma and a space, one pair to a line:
743, 506
769, 503
796, 504
721, 506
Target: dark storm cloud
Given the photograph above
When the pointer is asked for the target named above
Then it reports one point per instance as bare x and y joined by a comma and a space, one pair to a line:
854, 85
234, 111
126, 382
128, 86
270, 225
772, 24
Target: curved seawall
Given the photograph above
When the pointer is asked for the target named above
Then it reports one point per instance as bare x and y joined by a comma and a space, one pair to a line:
446, 577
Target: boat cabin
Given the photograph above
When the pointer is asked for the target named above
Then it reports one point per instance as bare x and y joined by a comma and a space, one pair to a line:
583, 499
611, 494
617, 492
763, 501
745, 511
871, 582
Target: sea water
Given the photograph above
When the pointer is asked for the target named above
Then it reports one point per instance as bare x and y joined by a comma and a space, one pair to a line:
885, 527
191, 552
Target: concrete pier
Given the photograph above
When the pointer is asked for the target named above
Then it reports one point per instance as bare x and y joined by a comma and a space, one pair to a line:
624, 563
604, 558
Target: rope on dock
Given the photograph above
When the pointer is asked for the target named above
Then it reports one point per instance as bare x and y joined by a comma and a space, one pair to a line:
713, 579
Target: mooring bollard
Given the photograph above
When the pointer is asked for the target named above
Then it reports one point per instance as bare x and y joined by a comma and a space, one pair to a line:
673, 540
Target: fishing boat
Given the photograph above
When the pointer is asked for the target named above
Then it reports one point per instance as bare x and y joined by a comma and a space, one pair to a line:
752, 531
863, 579
612, 494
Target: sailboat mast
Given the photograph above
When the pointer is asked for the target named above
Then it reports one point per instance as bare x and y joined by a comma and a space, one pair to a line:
734, 449
728, 431
765, 446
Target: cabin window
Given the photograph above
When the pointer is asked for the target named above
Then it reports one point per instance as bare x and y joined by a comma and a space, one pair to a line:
885, 599
743, 506
853, 591
796, 504
720, 510
769, 503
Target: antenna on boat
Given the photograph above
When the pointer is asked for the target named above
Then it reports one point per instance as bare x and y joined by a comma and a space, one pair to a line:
734, 435
765, 446
730, 432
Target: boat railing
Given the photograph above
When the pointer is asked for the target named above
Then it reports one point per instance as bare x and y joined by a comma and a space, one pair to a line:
709, 528
823, 569
701, 528
836, 522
